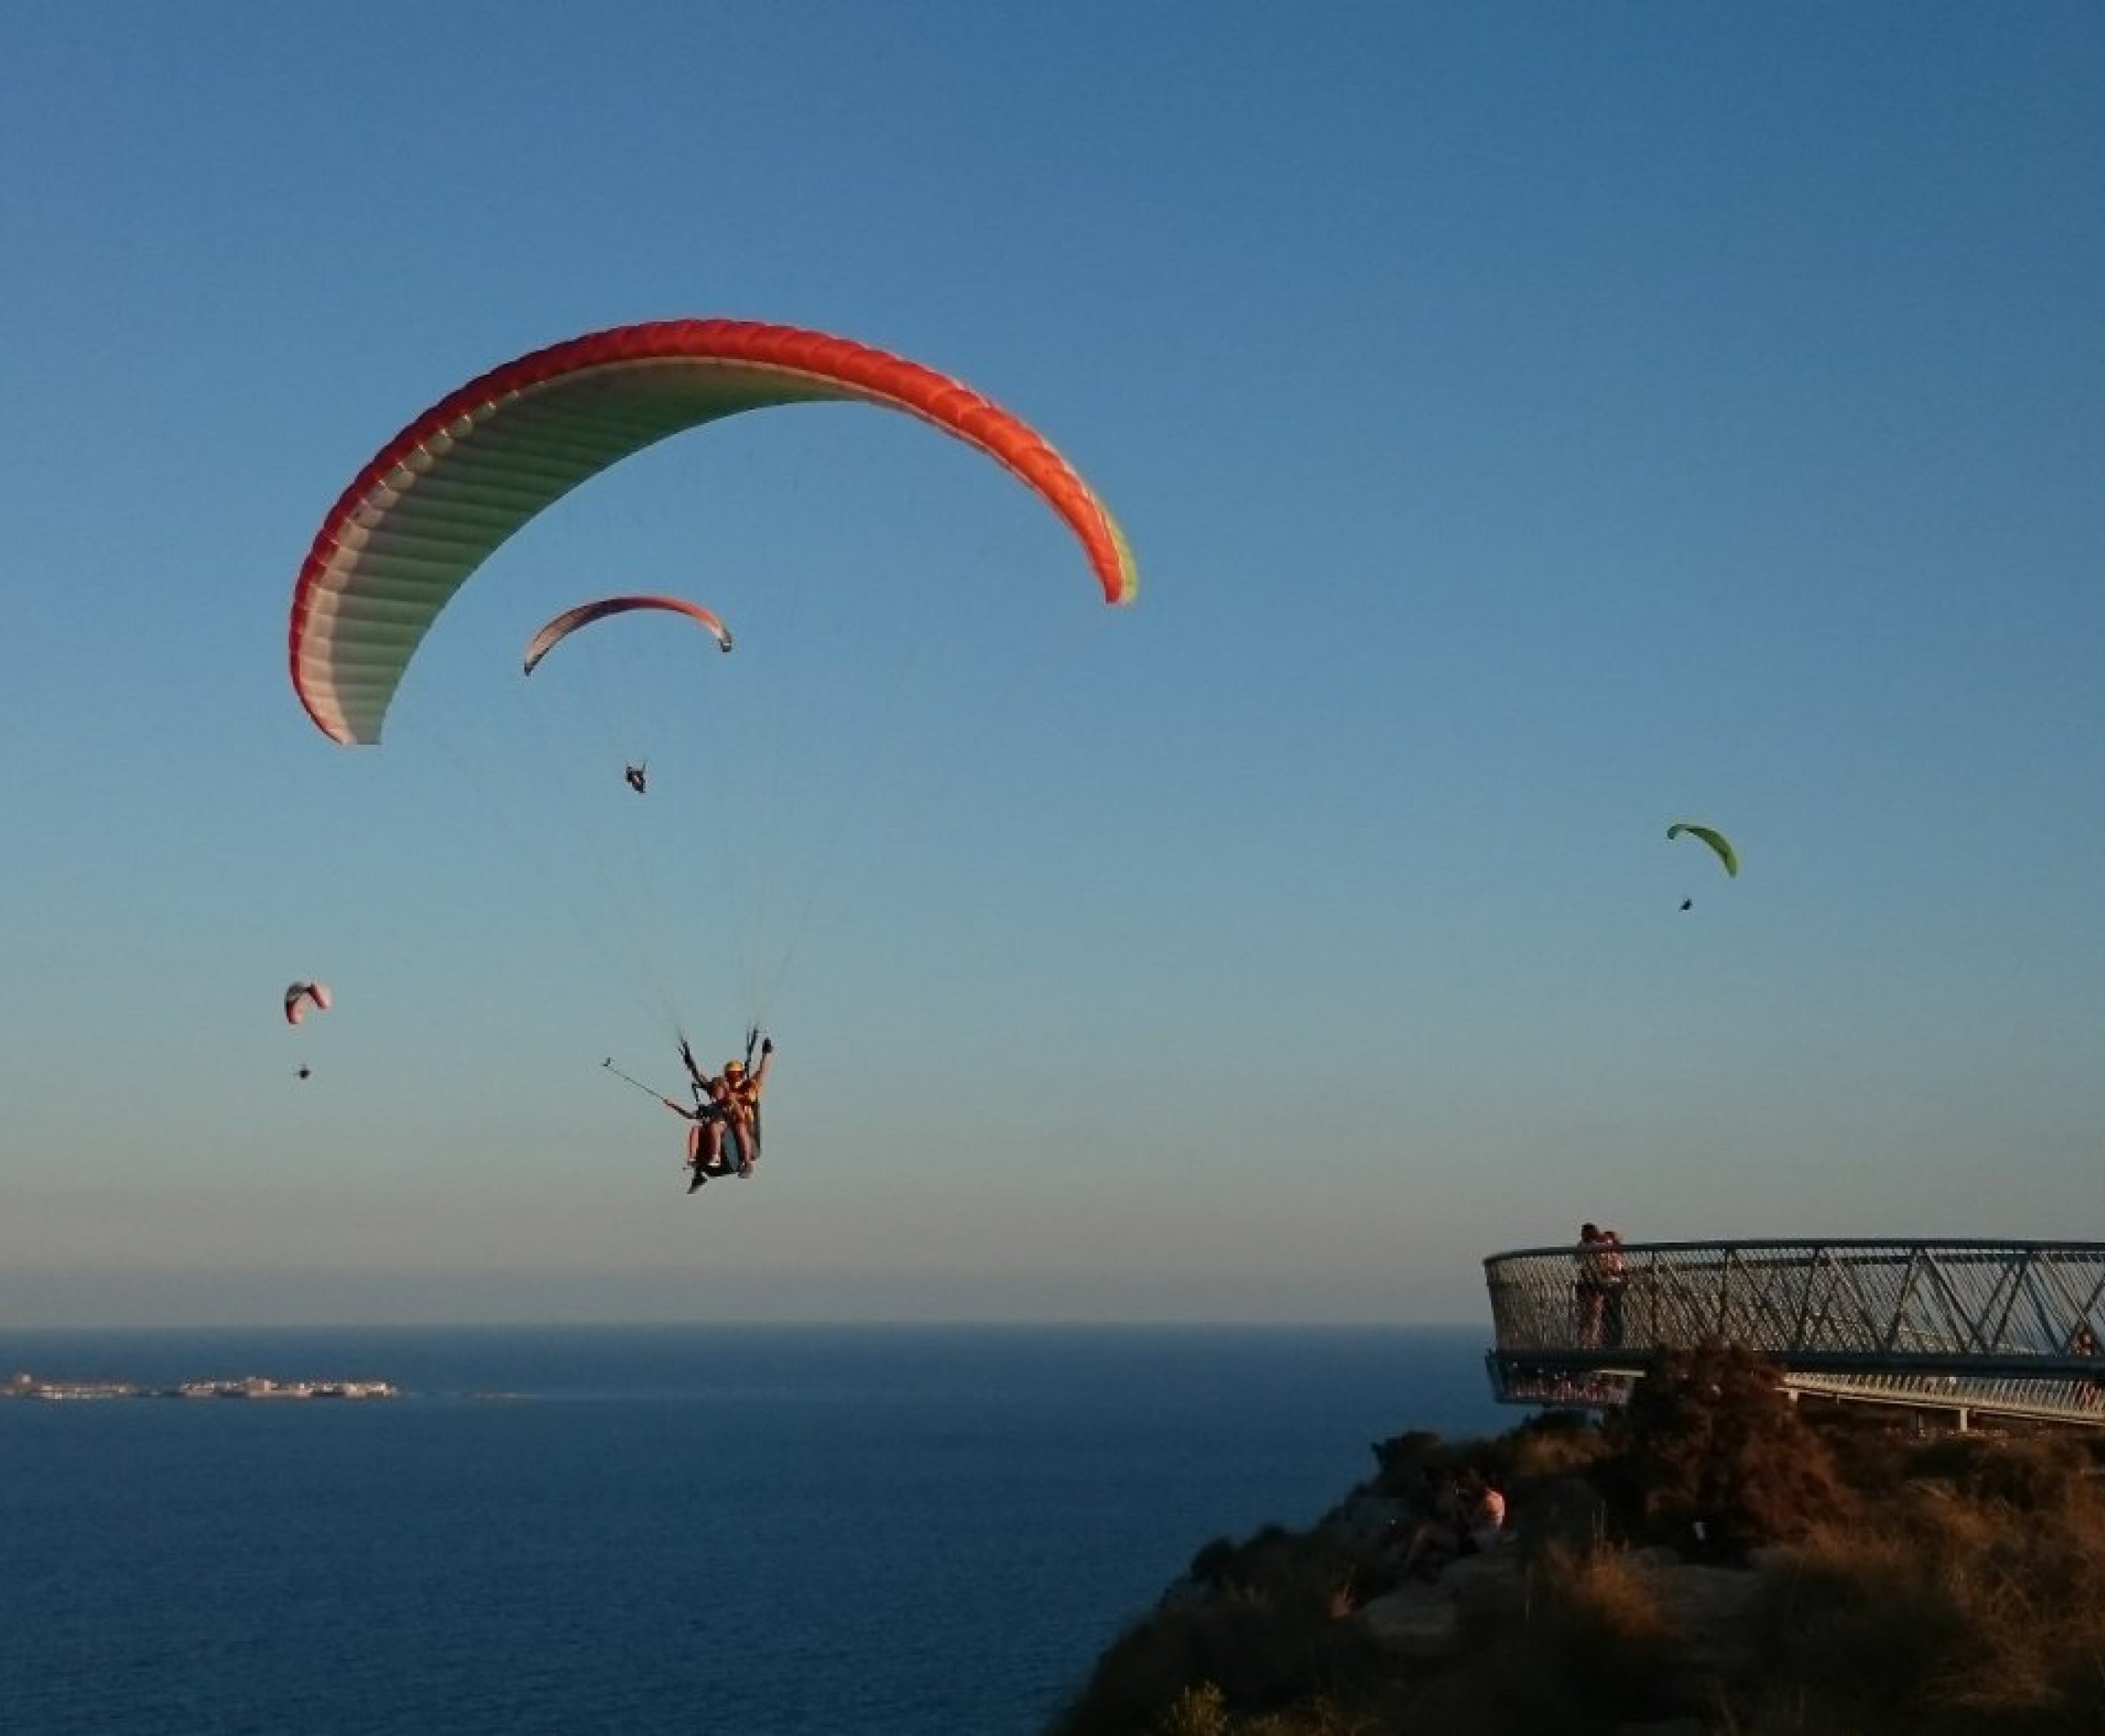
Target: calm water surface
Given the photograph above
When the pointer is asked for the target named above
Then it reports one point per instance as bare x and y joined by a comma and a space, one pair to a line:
892, 1532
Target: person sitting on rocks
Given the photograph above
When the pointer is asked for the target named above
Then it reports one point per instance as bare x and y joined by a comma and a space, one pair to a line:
1471, 1519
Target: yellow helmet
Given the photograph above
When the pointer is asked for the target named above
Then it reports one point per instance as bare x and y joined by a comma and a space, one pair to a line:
732, 1069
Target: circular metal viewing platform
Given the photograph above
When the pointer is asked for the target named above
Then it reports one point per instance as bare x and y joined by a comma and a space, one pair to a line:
2007, 1328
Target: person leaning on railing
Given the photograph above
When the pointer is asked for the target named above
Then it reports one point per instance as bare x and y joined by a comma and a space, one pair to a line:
1598, 1289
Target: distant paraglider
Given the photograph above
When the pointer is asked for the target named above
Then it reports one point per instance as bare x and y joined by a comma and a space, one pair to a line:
571, 620
1720, 845
301, 1000
1711, 835
633, 774
304, 998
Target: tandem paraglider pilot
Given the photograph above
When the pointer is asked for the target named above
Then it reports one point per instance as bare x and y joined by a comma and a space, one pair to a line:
724, 1138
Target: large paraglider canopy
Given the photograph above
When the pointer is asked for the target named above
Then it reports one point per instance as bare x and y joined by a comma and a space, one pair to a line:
460, 479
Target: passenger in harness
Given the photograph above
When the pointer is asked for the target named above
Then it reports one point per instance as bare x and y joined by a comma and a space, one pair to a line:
725, 1137
743, 1089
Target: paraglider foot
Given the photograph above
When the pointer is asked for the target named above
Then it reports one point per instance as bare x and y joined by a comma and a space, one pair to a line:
745, 1170
699, 1179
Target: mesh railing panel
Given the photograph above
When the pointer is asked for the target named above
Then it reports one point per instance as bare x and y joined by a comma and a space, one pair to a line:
1995, 1325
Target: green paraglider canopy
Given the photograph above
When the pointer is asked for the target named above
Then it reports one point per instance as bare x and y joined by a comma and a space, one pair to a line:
1711, 836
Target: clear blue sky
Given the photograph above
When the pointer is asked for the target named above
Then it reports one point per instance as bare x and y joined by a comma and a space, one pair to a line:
1534, 424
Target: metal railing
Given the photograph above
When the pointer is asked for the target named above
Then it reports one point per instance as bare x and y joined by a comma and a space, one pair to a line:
2001, 1326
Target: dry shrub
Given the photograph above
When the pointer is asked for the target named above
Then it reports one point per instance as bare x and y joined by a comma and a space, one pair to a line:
1945, 1613
1403, 1453
1268, 1637
1872, 1447
1605, 1628
1859, 1625
1557, 1445
1321, 1717
1716, 1459
2031, 1596
1564, 1512
2028, 1472
1406, 1462
1593, 1653
1149, 1669
1506, 1684
1290, 1571
1199, 1710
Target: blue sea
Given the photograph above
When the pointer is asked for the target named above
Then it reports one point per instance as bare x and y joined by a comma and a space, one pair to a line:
883, 1531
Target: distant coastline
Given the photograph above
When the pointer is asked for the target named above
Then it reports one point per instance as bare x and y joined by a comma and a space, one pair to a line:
248, 1386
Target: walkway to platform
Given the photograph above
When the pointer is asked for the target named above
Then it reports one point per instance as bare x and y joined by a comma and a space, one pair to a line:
1973, 1327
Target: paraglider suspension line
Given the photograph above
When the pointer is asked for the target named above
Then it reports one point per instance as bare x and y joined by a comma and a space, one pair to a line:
609, 1064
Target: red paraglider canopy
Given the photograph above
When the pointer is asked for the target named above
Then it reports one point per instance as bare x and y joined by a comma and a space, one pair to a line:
447, 490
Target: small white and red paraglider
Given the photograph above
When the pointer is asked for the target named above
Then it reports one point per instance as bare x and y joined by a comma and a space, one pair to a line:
302, 999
